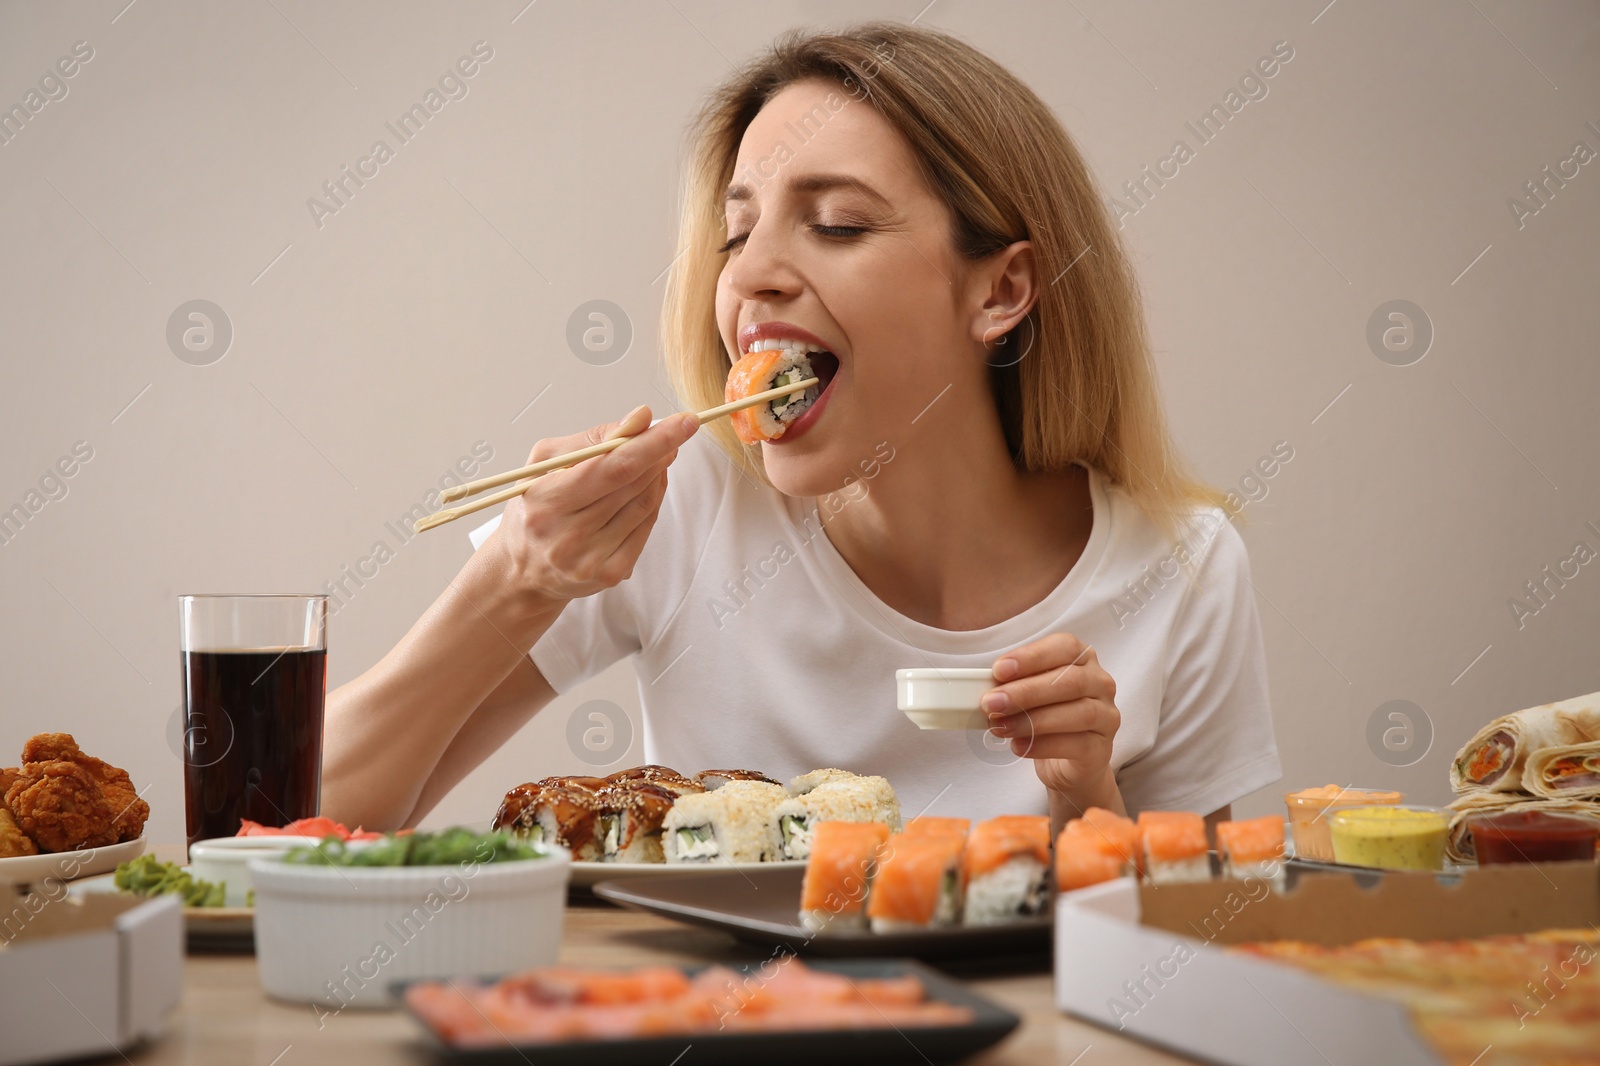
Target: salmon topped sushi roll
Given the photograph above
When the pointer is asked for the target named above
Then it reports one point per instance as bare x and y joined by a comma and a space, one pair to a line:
1109, 831
1084, 857
931, 823
1175, 847
770, 368
918, 883
844, 856
1007, 869
1252, 848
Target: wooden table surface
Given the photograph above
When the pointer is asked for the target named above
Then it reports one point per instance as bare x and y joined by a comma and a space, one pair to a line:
226, 1018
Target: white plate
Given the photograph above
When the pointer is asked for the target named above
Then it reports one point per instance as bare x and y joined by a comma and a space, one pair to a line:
68, 865
227, 926
588, 874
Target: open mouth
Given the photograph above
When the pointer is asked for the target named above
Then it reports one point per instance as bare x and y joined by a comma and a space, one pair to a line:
825, 367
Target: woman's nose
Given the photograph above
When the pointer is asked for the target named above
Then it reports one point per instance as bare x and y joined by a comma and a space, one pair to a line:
763, 268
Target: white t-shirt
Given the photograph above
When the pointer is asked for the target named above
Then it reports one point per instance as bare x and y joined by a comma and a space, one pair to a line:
756, 646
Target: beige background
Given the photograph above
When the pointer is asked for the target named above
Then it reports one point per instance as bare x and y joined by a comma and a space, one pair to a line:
373, 352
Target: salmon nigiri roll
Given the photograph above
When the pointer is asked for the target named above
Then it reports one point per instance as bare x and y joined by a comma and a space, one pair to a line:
844, 856
1252, 848
1007, 869
759, 371
932, 823
918, 883
1175, 847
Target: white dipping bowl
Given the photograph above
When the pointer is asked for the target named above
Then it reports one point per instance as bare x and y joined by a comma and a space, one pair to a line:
341, 936
944, 698
227, 859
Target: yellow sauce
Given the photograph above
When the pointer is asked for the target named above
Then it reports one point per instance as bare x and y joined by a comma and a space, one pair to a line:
1309, 810
1394, 838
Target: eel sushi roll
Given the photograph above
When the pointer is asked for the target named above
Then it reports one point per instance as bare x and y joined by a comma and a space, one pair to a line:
713, 779
759, 371
932, 823
844, 856
1175, 848
839, 799
630, 821
543, 813
1252, 848
1007, 869
918, 884
664, 776
730, 824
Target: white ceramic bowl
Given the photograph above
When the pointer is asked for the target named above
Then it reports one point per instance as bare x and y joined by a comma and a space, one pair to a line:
227, 859
340, 936
944, 698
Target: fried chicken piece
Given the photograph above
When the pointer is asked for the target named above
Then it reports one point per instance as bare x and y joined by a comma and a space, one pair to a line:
13, 841
129, 811
61, 807
8, 776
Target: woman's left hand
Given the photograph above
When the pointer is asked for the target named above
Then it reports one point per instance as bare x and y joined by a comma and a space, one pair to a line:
1057, 705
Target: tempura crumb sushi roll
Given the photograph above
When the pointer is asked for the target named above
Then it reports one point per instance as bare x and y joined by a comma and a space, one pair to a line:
544, 813
712, 779
763, 370
1252, 848
799, 786
630, 820
918, 883
1006, 869
841, 799
731, 824
1175, 848
844, 856
932, 823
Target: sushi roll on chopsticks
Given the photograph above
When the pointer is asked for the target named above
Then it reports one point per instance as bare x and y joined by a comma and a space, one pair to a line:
1006, 869
918, 883
1174, 847
844, 856
1252, 848
733, 823
831, 796
759, 371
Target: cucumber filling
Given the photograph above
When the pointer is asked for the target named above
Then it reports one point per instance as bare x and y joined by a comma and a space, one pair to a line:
796, 832
697, 842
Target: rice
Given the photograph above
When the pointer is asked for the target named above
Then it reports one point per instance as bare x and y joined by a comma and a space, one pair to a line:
838, 799
774, 417
1013, 890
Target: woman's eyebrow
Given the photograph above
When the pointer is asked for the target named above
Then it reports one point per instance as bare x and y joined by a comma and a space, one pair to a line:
814, 183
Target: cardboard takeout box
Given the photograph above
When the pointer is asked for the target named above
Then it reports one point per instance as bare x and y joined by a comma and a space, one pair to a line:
1152, 961
85, 975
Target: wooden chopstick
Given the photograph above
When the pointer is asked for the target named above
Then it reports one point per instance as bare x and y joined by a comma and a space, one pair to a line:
523, 476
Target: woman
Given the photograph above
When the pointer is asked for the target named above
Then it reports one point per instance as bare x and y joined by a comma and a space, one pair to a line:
984, 481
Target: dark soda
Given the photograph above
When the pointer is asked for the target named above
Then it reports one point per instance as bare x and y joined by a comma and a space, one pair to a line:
252, 738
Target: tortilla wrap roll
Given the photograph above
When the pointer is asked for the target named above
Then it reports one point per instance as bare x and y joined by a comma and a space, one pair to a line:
1570, 771
1495, 758
1459, 847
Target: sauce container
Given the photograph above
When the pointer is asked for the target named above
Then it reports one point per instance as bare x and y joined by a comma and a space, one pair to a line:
1308, 815
944, 697
1390, 837
1532, 836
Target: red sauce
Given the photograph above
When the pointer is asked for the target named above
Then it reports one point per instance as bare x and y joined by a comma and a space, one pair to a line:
1532, 836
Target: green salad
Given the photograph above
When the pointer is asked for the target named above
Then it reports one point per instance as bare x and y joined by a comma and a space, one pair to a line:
145, 876
448, 847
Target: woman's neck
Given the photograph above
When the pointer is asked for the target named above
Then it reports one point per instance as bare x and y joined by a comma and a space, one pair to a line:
951, 535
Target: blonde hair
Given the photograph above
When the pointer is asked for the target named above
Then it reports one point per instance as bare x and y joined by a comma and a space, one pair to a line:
995, 154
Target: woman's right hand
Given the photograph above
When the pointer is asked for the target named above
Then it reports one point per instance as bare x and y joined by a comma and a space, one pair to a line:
579, 530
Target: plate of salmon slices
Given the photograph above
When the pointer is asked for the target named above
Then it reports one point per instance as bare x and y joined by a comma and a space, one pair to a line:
782, 1010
